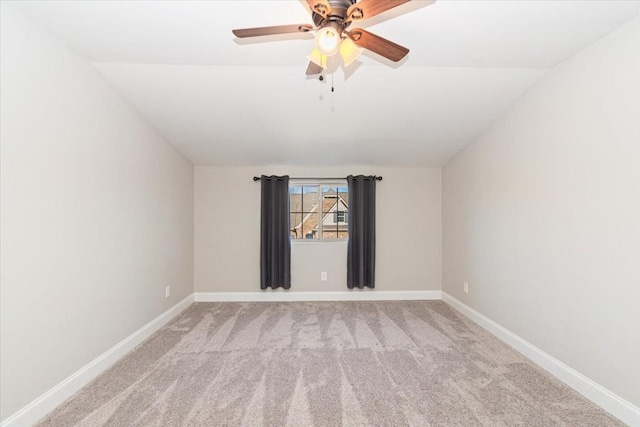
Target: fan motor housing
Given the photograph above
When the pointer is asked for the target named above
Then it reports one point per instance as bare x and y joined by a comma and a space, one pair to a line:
338, 13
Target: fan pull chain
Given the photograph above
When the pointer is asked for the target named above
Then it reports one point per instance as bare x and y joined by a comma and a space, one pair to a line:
332, 92
333, 70
332, 88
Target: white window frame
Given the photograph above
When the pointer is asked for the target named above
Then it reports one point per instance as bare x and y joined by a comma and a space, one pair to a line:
319, 184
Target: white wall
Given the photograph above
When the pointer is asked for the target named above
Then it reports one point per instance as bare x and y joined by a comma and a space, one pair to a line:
96, 215
542, 215
227, 231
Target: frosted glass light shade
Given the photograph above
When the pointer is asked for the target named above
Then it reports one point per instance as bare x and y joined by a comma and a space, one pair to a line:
349, 51
318, 58
328, 41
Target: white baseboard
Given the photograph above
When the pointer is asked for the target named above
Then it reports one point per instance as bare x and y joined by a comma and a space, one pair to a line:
40, 407
281, 295
599, 395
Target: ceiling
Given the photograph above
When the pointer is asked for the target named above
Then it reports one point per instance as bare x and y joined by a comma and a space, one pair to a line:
224, 101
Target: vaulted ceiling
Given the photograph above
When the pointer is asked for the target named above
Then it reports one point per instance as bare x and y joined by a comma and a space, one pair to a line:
225, 101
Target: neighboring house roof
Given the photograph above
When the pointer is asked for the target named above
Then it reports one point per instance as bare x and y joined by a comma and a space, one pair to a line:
302, 202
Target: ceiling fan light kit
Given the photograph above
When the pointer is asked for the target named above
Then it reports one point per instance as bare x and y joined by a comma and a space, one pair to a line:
349, 51
331, 19
318, 58
328, 39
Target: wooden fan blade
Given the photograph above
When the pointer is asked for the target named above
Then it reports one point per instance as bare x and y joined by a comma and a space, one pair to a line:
269, 31
313, 68
365, 9
377, 44
321, 7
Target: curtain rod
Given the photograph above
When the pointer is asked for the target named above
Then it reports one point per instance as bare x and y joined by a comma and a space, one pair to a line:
377, 178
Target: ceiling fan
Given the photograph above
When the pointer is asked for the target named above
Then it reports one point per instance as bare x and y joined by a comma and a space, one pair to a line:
332, 19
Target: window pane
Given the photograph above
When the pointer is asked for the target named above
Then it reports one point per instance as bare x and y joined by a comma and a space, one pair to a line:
295, 199
330, 234
343, 226
336, 202
303, 202
329, 205
309, 198
295, 223
343, 193
309, 228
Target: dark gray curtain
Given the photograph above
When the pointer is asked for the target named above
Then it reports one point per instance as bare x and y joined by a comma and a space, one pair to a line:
275, 243
361, 248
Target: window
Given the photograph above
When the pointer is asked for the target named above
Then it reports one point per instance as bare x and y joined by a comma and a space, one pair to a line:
318, 211
340, 216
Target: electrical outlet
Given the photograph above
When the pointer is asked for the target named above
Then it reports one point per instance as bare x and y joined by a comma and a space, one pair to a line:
323, 276
466, 288
167, 292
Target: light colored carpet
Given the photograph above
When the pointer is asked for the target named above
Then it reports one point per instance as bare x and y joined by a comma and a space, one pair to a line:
395, 363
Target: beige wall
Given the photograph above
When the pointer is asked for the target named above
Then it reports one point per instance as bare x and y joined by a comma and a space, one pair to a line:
227, 231
542, 215
96, 215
